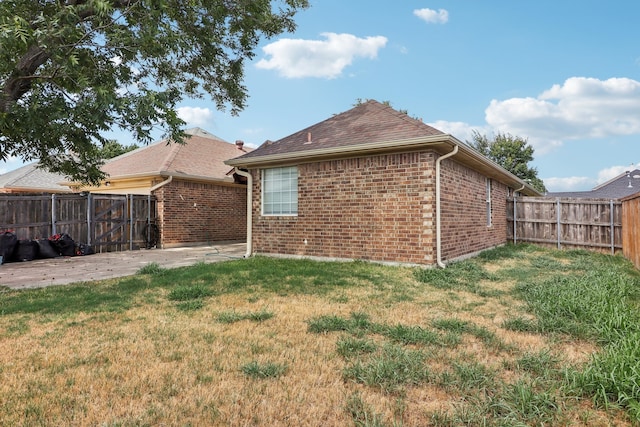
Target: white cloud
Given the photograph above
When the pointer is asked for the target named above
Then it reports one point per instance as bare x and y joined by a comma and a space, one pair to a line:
297, 58
461, 130
578, 109
583, 183
606, 174
571, 183
441, 16
196, 116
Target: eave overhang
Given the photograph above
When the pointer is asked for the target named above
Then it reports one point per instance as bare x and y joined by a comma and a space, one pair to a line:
441, 144
140, 177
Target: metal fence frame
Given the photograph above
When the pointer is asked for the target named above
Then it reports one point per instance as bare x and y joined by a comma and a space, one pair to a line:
32, 216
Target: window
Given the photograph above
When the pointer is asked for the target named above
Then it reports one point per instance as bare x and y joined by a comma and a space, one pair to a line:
488, 183
280, 191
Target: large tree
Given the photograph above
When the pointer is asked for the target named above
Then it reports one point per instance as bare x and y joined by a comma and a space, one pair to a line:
72, 70
512, 153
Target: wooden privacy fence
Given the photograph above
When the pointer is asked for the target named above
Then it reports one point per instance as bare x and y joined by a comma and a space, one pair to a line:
107, 222
592, 224
631, 229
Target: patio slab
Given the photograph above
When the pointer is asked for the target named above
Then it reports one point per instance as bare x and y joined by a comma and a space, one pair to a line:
60, 271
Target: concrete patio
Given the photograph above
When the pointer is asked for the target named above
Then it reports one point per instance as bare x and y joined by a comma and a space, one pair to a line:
64, 270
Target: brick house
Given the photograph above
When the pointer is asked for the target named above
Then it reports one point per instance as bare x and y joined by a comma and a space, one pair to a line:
198, 199
373, 183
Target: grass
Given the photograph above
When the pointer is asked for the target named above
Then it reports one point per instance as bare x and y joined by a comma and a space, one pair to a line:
516, 336
257, 370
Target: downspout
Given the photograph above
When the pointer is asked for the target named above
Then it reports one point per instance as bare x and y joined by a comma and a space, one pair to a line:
438, 224
515, 221
161, 184
249, 209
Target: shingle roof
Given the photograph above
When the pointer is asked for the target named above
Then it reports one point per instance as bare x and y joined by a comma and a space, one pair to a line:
368, 122
623, 185
32, 178
202, 155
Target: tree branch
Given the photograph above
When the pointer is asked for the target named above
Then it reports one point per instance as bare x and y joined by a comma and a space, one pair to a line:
20, 81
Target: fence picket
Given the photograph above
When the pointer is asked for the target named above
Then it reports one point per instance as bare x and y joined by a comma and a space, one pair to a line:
592, 224
35, 216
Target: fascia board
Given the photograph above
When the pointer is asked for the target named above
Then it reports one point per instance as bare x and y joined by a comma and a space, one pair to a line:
339, 152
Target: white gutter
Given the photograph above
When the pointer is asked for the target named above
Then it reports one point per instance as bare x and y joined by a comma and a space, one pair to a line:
438, 224
319, 153
162, 184
249, 209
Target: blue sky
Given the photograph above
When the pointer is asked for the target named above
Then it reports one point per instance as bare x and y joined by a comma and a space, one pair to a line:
564, 75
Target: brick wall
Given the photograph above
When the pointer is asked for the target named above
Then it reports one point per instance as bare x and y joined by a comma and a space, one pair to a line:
192, 212
372, 208
464, 219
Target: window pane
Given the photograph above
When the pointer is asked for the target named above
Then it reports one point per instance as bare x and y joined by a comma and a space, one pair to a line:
280, 191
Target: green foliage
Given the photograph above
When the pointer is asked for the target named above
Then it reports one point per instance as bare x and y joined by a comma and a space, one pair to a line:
542, 364
520, 324
512, 153
461, 276
361, 413
265, 370
524, 403
390, 369
468, 376
613, 375
405, 334
189, 292
234, 316
112, 148
595, 305
152, 268
351, 347
72, 71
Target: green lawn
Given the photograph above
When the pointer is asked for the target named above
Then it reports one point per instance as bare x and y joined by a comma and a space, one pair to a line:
517, 336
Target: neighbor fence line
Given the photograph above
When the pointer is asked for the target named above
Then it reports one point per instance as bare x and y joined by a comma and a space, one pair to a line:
592, 224
108, 222
631, 229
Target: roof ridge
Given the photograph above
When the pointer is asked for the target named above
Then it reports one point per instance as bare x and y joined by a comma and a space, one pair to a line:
172, 154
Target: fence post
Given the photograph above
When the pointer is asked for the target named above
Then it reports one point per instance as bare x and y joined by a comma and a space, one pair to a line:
89, 218
613, 235
514, 220
558, 229
148, 220
130, 222
53, 214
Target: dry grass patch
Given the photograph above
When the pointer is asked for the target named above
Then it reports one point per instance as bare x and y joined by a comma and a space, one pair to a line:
282, 342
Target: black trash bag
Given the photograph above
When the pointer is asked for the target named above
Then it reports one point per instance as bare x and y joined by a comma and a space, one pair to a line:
84, 249
46, 249
64, 244
8, 243
27, 250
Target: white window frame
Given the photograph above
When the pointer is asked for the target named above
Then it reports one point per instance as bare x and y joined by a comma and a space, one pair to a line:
280, 191
488, 201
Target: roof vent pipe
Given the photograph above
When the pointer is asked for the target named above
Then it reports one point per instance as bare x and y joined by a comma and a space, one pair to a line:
438, 213
239, 144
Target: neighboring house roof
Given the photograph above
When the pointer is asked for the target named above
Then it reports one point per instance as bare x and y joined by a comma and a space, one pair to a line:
30, 178
371, 128
202, 155
623, 185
